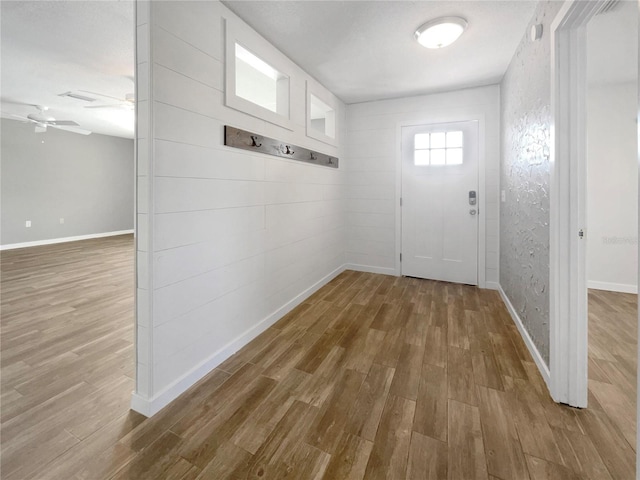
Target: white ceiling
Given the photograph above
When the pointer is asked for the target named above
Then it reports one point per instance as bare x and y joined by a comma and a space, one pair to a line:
360, 50
365, 50
51, 47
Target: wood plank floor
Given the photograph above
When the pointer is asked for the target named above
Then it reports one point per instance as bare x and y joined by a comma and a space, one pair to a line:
613, 333
373, 377
67, 352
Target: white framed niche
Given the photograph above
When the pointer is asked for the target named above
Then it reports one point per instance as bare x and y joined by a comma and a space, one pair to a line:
321, 114
257, 79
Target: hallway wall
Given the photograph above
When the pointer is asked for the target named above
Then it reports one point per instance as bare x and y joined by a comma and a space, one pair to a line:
612, 187
229, 241
524, 179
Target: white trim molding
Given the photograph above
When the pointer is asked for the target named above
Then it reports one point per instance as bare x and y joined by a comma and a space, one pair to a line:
51, 241
537, 357
612, 287
371, 269
638, 357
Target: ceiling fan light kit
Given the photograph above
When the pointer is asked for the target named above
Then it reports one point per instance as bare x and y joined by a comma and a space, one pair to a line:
440, 32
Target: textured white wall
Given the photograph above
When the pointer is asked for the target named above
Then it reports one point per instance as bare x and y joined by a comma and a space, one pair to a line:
372, 147
524, 216
228, 240
612, 187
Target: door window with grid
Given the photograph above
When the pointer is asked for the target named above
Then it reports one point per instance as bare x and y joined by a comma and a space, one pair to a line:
438, 148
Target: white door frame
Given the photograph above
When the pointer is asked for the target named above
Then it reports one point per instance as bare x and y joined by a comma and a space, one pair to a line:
568, 283
425, 119
638, 381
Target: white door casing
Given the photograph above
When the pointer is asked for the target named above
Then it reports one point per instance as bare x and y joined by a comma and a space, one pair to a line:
439, 225
567, 250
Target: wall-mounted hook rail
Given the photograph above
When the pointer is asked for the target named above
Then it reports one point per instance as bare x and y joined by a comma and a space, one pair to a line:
234, 137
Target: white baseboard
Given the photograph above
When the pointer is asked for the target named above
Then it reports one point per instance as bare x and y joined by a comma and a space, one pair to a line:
151, 406
492, 286
371, 269
542, 366
51, 241
140, 404
612, 287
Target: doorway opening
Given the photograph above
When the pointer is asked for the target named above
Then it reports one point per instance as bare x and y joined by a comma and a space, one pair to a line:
612, 213
593, 336
68, 222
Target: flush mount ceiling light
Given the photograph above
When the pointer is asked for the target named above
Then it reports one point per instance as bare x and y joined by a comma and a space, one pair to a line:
440, 32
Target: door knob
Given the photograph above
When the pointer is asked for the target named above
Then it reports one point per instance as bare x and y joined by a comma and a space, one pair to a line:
472, 211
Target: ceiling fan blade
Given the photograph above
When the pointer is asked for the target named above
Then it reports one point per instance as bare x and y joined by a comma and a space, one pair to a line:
81, 131
113, 105
69, 123
17, 117
103, 95
14, 102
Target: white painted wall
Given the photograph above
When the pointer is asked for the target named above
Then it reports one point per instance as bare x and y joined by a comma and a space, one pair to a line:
228, 240
373, 147
612, 187
87, 180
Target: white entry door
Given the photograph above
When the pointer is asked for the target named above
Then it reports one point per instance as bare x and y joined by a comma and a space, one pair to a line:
440, 202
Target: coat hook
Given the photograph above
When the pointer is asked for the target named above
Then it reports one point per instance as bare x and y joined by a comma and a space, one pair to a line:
330, 161
254, 143
313, 156
288, 151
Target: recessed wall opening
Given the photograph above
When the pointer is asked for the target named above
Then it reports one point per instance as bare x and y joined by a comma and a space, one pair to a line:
260, 83
322, 117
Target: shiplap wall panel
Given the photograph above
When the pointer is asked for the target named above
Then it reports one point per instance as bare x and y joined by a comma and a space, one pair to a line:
233, 238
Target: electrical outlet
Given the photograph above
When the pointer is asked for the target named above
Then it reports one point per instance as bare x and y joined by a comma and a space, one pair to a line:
61, 221
503, 196
27, 224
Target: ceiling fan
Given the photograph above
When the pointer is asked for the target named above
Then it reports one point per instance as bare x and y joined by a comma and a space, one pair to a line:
127, 102
42, 121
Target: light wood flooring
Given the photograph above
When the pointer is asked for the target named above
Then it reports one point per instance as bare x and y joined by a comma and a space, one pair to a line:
373, 377
613, 351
